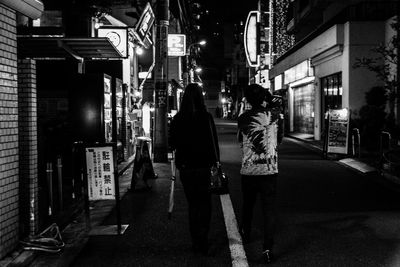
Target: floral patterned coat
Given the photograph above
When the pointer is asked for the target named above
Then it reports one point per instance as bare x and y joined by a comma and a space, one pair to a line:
260, 132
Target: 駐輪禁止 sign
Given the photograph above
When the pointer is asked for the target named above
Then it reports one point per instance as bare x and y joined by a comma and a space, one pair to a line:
100, 172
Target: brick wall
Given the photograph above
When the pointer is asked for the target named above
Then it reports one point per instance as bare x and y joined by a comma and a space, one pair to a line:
9, 183
28, 170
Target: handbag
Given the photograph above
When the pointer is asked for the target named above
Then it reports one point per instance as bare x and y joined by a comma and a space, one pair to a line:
218, 179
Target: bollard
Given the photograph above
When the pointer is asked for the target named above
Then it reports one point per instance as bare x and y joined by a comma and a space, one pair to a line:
60, 185
49, 172
73, 189
388, 139
356, 132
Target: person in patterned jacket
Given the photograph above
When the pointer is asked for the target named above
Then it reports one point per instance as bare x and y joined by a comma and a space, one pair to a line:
260, 132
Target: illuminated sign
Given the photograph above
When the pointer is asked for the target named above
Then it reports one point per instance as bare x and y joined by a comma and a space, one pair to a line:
338, 131
145, 23
118, 37
278, 82
251, 39
298, 72
176, 45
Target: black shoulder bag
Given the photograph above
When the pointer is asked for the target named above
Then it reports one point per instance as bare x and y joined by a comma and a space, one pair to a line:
218, 179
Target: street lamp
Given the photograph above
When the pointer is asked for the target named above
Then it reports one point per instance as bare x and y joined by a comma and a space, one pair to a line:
187, 75
198, 70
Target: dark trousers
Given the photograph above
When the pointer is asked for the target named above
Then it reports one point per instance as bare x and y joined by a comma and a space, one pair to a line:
265, 186
195, 184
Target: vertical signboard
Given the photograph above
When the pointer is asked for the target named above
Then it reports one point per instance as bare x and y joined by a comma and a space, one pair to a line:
143, 27
107, 109
252, 39
100, 172
338, 131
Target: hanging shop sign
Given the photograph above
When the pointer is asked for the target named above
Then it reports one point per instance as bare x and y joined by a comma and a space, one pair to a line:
118, 36
338, 131
146, 21
252, 39
100, 172
176, 45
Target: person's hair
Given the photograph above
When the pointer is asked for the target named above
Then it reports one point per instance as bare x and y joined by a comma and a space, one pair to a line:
192, 100
256, 94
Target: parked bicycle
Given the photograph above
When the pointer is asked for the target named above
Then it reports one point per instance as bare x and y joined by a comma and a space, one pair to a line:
49, 240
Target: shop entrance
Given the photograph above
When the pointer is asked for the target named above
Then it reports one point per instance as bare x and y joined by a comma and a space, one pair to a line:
304, 98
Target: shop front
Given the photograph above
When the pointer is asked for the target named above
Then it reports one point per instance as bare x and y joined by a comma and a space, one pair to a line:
303, 109
77, 102
301, 97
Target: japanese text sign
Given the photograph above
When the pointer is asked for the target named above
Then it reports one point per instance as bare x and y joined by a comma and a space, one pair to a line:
100, 172
145, 23
338, 131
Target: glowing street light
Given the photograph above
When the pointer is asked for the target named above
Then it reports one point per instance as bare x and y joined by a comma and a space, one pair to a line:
201, 42
198, 70
139, 50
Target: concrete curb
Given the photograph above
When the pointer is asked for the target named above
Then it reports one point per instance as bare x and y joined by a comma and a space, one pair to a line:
351, 163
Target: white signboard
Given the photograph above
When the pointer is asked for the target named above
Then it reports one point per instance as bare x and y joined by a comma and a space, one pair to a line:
176, 45
117, 36
100, 172
251, 39
338, 131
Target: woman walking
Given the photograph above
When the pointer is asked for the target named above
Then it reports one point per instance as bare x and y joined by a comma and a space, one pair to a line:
193, 137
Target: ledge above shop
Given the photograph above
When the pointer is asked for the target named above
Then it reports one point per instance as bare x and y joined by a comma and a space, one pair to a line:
62, 47
30, 8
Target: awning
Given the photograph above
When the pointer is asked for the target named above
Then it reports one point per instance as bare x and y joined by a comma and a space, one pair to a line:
63, 47
30, 8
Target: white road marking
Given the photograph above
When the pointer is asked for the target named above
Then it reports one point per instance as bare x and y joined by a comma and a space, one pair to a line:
238, 254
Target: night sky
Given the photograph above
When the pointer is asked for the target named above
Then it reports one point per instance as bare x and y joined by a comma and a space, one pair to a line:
222, 13
230, 10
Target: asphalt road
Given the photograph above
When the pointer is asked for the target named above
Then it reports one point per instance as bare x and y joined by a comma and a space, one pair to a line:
328, 215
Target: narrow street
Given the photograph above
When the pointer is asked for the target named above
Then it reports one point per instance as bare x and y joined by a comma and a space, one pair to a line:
329, 215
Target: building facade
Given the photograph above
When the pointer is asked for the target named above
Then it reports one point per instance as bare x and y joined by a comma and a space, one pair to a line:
318, 72
18, 137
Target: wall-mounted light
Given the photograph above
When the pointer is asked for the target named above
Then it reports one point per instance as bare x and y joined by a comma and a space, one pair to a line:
139, 50
97, 25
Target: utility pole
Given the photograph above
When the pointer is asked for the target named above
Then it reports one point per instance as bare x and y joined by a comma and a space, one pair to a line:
161, 83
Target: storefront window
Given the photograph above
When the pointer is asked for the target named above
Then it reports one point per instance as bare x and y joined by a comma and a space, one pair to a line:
332, 89
304, 99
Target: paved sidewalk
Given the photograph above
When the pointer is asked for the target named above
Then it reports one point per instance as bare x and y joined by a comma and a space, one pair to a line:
365, 164
75, 235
